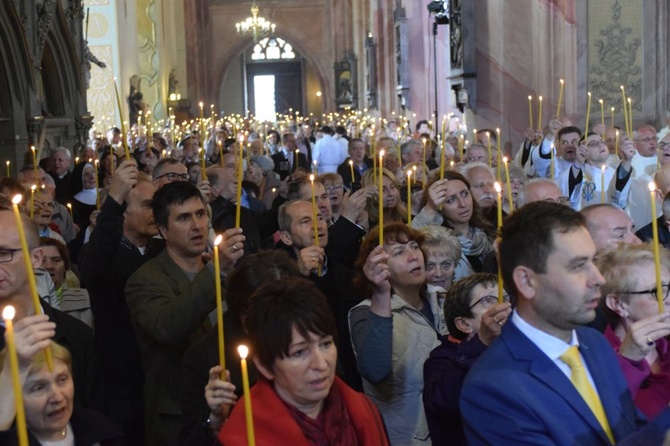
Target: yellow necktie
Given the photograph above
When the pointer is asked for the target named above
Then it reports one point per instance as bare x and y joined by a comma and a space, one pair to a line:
581, 382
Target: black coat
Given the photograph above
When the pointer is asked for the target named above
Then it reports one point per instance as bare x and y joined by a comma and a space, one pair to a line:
283, 165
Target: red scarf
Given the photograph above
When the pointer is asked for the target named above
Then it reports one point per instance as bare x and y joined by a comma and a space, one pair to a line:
333, 425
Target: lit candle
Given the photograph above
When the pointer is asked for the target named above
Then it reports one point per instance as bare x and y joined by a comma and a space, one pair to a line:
539, 114
314, 169
240, 174
219, 306
409, 197
203, 170
316, 225
442, 161
509, 186
381, 201
97, 192
351, 168
32, 148
588, 114
602, 111
244, 351
499, 153
602, 184
123, 127
498, 189
201, 125
295, 159
424, 151
414, 177
625, 109
21, 427
560, 99
32, 201
657, 254
7, 169
630, 115
616, 142
29, 270
69, 208
612, 121
530, 111
488, 136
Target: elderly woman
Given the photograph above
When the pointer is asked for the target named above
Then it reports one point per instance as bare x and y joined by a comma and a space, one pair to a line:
450, 203
297, 400
395, 328
442, 252
51, 416
70, 299
517, 180
636, 329
394, 209
260, 171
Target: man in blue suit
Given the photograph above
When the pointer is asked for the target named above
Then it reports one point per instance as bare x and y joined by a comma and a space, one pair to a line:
521, 389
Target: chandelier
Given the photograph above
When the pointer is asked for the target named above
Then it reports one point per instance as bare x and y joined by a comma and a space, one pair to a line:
256, 26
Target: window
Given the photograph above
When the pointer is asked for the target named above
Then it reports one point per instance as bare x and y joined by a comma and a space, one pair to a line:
272, 48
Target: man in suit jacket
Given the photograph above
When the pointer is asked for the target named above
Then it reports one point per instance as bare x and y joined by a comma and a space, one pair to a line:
170, 299
520, 386
284, 158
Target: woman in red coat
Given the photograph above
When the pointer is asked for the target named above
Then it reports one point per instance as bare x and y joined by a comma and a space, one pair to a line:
297, 399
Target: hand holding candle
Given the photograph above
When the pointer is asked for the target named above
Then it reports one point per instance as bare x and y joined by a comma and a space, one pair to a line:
22, 430
409, 197
219, 306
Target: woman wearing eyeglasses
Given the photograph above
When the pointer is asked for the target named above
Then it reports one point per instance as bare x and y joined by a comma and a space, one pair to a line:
636, 329
474, 319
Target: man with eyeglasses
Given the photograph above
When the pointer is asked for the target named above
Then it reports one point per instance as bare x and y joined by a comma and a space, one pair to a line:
636, 329
547, 379
588, 180
15, 291
169, 170
474, 319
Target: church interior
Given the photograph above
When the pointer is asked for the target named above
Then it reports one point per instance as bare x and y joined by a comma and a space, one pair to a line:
477, 61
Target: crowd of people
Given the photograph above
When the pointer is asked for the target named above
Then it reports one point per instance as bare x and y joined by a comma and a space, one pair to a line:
359, 334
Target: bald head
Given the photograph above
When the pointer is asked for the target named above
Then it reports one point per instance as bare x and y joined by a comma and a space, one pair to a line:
539, 190
609, 226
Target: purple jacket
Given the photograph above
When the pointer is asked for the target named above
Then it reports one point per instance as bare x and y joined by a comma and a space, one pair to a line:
651, 391
443, 375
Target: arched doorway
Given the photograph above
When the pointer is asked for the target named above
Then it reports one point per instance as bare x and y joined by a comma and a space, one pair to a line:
270, 77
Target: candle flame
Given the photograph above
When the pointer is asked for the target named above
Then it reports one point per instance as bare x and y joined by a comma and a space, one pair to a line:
218, 239
530, 98
69, 205
409, 173
652, 186
17, 199
8, 313
562, 81
497, 187
603, 168
601, 101
243, 350
351, 163
33, 187
540, 98
589, 93
505, 159
201, 105
381, 154
311, 178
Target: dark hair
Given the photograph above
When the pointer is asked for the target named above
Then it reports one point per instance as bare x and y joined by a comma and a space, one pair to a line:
175, 193
420, 123
393, 232
294, 186
568, 129
254, 270
326, 129
340, 130
458, 301
228, 142
62, 249
161, 163
527, 237
477, 220
276, 308
273, 132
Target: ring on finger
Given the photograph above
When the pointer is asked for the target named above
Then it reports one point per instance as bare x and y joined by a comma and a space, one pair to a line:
650, 341
234, 248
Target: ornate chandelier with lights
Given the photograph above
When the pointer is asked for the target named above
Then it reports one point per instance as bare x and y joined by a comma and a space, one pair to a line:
258, 27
